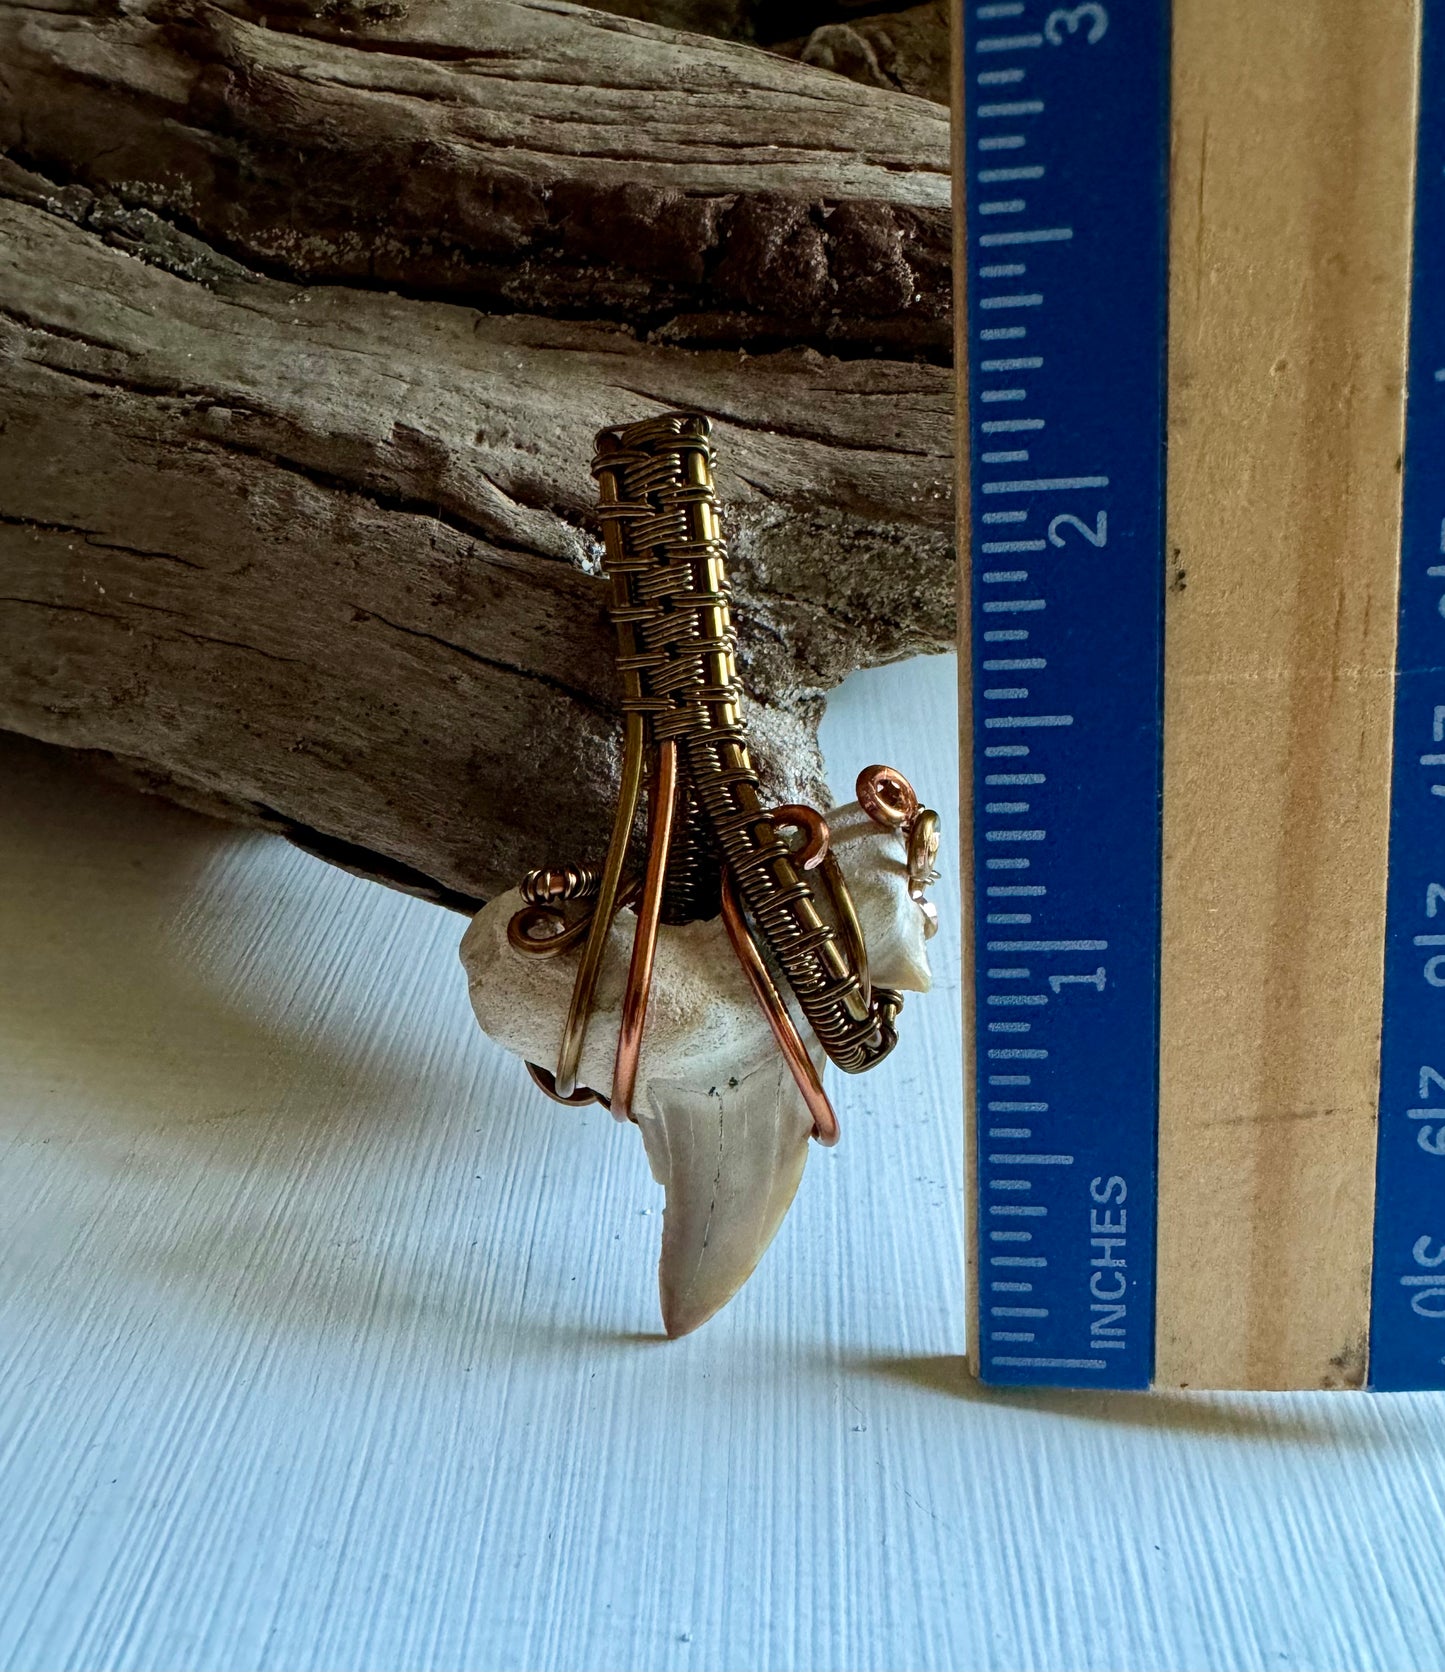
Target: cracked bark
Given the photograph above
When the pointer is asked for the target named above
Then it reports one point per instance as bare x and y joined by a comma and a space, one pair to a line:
306, 323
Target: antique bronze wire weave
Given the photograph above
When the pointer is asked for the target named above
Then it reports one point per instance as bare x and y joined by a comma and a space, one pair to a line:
712, 844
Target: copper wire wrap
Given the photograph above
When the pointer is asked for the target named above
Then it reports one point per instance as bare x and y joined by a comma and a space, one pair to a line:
677, 640
713, 846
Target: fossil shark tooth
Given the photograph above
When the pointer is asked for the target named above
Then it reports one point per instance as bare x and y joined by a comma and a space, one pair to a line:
730, 1159
724, 1125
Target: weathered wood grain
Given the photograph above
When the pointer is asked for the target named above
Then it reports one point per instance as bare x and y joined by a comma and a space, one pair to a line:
516, 154
294, 499
320, 557
1289, 279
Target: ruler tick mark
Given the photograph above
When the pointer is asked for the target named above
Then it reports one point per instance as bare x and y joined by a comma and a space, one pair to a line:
1052, 1363
1045, 484
1034, 235
1049, 946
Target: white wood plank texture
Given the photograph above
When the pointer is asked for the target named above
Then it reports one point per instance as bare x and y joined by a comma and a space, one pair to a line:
325, 1343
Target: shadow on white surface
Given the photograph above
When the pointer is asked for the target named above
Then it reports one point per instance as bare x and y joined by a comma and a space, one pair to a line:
175, 1017
120, 927
325, 1342
1207, 1415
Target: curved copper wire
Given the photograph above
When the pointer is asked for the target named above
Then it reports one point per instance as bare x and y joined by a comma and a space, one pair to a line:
663, 798
521, 938
795, 1053
546, 1084
584, 988
886, 796
797, 815
923, 844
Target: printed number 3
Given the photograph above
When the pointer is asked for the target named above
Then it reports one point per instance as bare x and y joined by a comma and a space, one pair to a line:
1068, 19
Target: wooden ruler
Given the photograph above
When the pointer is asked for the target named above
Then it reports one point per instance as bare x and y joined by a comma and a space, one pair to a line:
1240, 1189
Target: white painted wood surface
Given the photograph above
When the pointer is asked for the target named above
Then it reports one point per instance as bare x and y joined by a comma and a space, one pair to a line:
326, 1343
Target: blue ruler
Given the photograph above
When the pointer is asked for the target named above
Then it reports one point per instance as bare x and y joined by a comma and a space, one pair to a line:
1066, 129
1407, 1314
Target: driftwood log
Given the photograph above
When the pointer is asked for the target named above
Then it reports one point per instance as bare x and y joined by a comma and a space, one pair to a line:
306, 323
907, 49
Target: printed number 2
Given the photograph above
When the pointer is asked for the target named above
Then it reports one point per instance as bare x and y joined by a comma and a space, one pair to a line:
1068, 19
1097, 536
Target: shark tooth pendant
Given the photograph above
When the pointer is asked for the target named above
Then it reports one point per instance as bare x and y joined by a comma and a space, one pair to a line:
759, 942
